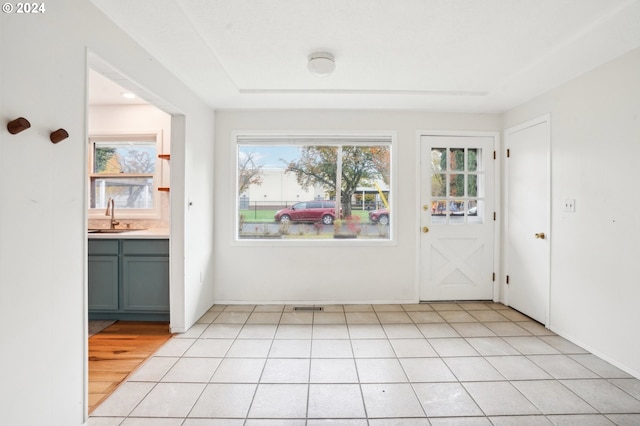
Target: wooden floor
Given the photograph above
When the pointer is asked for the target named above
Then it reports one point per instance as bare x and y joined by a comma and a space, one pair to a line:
117, 351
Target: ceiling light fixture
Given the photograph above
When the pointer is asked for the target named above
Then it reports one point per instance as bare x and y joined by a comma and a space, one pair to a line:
321, 64
128, 95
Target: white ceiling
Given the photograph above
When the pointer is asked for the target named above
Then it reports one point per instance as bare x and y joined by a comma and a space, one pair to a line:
104, 91
444, 55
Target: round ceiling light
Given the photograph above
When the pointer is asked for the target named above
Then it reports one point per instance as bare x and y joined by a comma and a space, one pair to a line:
321, 64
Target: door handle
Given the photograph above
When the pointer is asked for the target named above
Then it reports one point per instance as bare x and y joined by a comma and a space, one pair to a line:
540, 236
425, 229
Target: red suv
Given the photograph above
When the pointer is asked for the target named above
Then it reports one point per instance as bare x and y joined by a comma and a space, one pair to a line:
380, 216
308, 211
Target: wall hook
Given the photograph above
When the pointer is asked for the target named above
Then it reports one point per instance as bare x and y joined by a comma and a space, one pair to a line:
18, 125
58, 135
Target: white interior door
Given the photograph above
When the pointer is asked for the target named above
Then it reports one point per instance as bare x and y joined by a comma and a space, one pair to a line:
457, 217
527, 248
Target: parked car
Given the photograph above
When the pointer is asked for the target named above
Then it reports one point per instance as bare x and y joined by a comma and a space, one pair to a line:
380, 216
473, 211
308, 211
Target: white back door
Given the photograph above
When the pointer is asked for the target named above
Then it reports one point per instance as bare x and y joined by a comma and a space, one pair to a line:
457, 218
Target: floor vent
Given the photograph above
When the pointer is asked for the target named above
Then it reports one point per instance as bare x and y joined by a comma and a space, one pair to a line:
308, 308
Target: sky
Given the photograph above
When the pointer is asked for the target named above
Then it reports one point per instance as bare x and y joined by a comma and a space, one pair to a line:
271, 157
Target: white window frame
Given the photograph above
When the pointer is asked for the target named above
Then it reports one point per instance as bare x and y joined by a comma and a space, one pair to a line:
316, 138
122, 213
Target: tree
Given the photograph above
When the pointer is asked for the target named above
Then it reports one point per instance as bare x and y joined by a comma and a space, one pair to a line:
438, 183
249, 172
317, 166
136, 161
102, 157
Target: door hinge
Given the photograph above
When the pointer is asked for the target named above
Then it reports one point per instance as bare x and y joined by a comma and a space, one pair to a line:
494, 155
494, 215
507, 279
508, 153
493, 278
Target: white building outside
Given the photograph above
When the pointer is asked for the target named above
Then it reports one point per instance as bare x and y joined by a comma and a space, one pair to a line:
278, 189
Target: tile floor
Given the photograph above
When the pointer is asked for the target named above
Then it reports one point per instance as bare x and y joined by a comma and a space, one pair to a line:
429, 364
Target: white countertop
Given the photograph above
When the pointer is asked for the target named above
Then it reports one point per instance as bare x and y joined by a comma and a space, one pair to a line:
152, 233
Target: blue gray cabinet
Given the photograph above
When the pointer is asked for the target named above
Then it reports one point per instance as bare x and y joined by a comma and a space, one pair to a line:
103, 275
129, 279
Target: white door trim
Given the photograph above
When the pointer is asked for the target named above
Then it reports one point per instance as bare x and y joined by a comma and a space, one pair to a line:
546, 118
497, 260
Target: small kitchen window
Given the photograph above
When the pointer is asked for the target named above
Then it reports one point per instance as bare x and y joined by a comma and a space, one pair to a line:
125, 168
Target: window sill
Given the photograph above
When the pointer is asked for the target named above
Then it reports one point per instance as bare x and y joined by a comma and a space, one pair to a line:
278, 241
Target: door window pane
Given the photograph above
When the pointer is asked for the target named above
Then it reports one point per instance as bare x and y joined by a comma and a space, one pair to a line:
456, 159
456, 185
457, 211
472, 159
438, 185
472, 185
439, 159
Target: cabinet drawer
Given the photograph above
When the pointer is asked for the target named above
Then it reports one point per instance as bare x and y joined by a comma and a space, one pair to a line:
103, 247
145, 247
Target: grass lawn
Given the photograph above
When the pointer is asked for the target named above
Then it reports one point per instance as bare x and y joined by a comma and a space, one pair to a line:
258, 215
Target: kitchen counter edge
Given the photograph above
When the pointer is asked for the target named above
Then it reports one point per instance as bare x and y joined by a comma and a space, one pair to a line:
133, 234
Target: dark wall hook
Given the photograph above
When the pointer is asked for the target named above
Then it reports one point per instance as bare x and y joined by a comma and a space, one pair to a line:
18, 125
58, 135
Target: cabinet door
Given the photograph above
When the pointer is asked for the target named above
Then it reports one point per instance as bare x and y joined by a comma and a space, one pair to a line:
103, 283
145, 283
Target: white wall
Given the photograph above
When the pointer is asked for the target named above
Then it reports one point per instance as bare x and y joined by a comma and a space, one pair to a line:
43, 204
595, 151
319, 273
196, 213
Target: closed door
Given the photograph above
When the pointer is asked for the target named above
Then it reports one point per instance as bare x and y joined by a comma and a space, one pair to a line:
527, 246
457, 218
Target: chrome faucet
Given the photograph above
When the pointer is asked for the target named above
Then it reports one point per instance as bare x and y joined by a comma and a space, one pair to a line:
111, 210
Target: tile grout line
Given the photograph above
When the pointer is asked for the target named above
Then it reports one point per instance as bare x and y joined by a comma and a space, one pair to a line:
357, 370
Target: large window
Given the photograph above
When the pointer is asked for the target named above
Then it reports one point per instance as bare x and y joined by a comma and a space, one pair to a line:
125, 169
314, 187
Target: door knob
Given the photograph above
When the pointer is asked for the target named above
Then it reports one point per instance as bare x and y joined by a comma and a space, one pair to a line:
425, 229
540, 236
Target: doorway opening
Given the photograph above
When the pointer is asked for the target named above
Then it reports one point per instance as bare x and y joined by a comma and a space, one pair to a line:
129, 222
